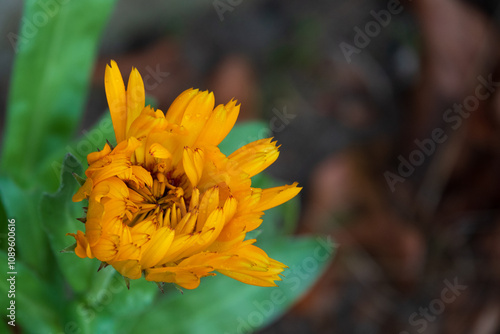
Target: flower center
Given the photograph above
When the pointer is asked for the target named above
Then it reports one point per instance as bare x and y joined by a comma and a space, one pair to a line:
164, 204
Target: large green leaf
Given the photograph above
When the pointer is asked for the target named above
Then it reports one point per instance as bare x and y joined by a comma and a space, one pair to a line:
114, 301
4, 327
222, 305
58, 214
56, 48
88, 142
37, 306
31, 244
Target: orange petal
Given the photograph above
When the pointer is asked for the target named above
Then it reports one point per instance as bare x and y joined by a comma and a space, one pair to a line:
187, 277
158, 151
176, 111
128, 268
148, 121
254, 157
157, 247
251, 265
135, 97
117, 99
94, 156
208, 204
196, 115
219, 124
192, 161
187, 223
93, 229
275, 196
82, 245
84, 191
106, 248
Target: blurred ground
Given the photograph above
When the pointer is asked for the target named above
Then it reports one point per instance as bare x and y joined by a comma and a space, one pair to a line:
415, 212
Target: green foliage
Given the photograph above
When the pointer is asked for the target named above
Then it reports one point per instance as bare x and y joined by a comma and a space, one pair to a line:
49, 81
223, 305
59, 215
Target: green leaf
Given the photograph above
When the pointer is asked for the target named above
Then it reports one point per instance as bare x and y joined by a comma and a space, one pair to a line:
58, 214
36, 304
87, 143
4, 328
222, 305
125, 302
242, 134
3, 211
31, 244
115, 301
56, 48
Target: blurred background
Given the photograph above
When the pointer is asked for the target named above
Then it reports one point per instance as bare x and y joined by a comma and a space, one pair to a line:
388, 115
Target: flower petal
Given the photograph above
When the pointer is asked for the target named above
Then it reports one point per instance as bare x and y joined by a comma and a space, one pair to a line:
158, 151
128, 268
82, 245
176, 111
251, 265
157, 247
219, 124
147, 122
192, 161
117, 100
84, 191
254, 157
106, 247
135, 97
196, 115
272, 197
187, 277
187, 223
209, 202
94, 156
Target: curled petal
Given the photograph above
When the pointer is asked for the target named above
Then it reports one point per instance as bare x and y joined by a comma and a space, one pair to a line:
82, 245
253, 158
193, 161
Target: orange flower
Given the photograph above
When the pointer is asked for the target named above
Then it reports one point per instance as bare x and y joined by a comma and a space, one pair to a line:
165, 202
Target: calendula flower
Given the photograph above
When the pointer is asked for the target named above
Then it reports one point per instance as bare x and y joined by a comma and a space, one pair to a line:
165, 202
